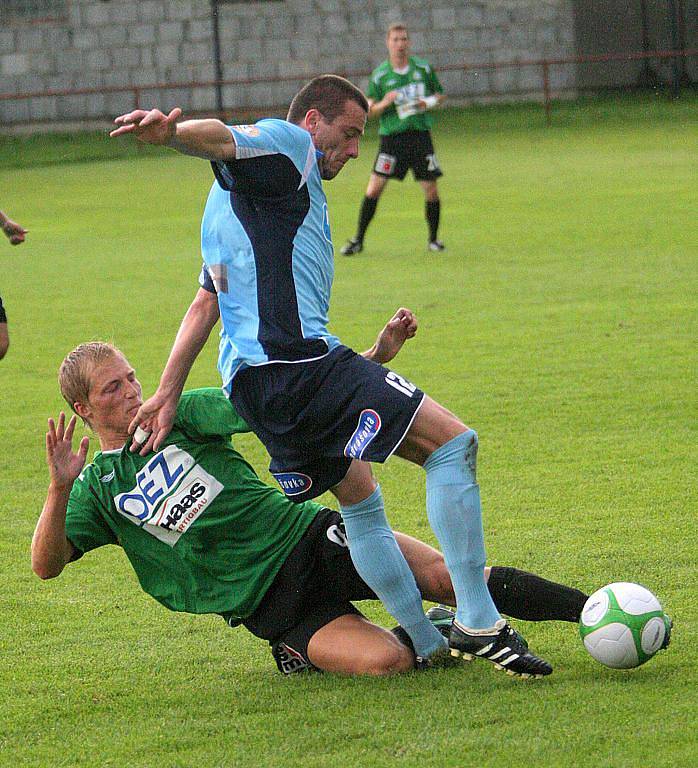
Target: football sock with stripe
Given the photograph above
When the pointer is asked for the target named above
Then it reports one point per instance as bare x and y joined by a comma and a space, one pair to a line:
368, 208
381, 564
432, 213
524, 595
453, 507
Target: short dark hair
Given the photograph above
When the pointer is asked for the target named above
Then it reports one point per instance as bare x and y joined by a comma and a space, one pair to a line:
328, 94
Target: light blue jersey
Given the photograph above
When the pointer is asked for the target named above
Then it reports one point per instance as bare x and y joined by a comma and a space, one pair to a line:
267, 249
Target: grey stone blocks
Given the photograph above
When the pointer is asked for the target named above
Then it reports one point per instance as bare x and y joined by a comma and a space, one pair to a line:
145, 42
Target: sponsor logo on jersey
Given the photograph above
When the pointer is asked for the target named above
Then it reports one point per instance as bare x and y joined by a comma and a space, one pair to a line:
385, 163
368, 427
248, 130
171, 492
401, 385
326, 231
410, 92
293, 483
289, 660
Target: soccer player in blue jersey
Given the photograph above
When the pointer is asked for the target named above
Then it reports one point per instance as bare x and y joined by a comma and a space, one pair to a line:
323, 412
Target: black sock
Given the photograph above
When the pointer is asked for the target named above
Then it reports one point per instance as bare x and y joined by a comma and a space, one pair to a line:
403, 637
523, 595
433, 211
368, 208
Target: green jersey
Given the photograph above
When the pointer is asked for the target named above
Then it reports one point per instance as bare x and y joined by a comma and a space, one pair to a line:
201, 530
419, 81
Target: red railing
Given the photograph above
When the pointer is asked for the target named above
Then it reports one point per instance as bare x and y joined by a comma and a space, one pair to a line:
548, 92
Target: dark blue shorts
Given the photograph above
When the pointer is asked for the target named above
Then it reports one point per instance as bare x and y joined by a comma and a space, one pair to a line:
315, 417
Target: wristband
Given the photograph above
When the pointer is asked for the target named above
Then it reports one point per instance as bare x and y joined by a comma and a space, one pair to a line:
431, 101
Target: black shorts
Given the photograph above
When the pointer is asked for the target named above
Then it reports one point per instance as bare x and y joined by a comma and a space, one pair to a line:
314, 586
315, 417
3, 316
402, 151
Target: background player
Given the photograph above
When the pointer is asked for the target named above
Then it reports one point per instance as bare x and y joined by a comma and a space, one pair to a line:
205, 535
400, 91
15, 234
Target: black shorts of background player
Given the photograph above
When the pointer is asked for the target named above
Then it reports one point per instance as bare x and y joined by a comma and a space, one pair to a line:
15, 234
401, 91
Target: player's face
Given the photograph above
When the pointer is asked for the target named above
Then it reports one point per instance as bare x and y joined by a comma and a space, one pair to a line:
398, 43
115, 396
339, 140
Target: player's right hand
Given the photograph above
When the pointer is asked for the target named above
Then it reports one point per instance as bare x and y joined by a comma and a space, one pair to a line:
152, 126
155, 419
15, 232
390, 97
64, 465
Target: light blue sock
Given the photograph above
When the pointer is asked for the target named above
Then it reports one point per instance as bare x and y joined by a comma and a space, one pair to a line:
380, 563
453, 507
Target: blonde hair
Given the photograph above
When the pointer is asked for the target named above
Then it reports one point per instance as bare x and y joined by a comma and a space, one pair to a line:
398, 26
74, 375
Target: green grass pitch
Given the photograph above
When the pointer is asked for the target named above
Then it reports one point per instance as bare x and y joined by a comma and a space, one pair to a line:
560, 323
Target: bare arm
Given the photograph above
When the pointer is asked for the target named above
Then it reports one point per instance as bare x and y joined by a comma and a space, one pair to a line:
376, 108
156, 415
401, 326
209, 139
51, 550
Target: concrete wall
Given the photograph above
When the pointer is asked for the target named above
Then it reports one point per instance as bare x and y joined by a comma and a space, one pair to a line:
104, 43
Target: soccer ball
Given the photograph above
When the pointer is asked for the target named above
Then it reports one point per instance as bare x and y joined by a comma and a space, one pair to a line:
623, 625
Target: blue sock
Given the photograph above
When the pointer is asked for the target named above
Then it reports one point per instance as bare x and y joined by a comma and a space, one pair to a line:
453, 507
380, 563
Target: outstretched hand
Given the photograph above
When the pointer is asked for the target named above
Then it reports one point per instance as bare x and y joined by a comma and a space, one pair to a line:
15, 232
151, 126
401, 326
64, 465
152, 423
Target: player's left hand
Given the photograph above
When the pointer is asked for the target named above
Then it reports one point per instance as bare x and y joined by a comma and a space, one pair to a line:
152, 423
401, 326
15, 233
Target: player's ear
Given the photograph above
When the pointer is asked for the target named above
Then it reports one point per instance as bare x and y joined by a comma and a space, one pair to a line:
311, 121
83, 410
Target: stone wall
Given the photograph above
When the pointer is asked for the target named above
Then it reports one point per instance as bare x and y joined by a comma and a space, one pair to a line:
103, 44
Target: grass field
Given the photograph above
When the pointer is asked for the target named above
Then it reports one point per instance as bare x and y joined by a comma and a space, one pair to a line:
560, 323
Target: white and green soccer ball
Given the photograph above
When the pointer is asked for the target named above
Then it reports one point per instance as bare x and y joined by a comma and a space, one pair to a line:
623, 625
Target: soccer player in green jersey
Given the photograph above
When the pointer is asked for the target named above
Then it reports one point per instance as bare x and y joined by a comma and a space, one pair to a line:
205, 535
401, 91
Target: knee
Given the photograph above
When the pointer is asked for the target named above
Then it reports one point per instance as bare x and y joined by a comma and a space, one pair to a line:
4, 346
392, 659
471, 442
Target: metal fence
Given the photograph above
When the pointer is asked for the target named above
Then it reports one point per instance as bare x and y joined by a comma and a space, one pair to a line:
545, 86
